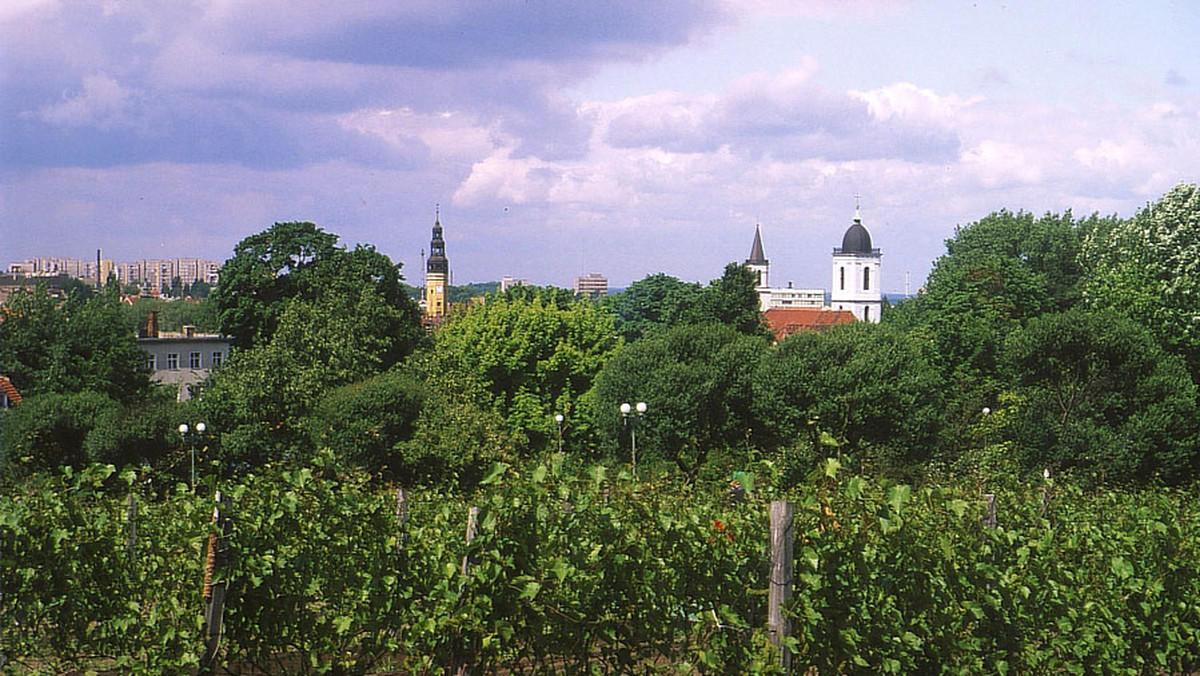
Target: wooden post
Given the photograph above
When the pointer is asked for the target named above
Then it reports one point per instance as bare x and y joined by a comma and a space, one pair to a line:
472, 516
214, 592
401, 512
462, 663
780, 590
131, 512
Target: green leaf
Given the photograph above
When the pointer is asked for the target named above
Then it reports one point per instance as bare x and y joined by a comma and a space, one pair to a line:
495, 473
531, 590
831, 467
897, 495
1121, 568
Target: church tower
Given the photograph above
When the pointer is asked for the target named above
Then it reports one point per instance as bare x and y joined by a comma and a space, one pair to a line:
761, 267
856, 283
437, 272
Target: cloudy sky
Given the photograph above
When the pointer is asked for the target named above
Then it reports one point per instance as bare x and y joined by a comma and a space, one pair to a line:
562, 137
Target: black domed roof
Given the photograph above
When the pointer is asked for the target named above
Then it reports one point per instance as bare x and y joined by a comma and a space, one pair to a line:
857, 240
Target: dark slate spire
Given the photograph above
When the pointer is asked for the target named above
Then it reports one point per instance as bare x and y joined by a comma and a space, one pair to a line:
756, 250
437, 247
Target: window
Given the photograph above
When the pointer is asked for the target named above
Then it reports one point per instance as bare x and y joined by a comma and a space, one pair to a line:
842, 283
172, 361
194, 360
216, 358
866, 313
152, 362
867, 279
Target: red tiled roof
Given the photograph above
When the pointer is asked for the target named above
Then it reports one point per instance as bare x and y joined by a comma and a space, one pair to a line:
784, 321
8, 391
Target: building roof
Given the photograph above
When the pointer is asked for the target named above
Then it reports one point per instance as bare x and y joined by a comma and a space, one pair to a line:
757, 257
8, 391
856, 240
784, 321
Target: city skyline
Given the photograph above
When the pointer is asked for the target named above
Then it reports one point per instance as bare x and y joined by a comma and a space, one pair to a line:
562, 140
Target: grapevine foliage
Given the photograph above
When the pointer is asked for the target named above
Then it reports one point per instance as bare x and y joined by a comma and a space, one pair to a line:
581, 571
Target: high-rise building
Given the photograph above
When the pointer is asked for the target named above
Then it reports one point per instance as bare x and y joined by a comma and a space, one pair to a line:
593, 285
437, 273
856, 283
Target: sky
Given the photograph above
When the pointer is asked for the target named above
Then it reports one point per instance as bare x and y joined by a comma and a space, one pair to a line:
563, 137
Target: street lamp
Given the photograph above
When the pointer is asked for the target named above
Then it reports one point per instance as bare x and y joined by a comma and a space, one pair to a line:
630, 420
558, 420
190, 437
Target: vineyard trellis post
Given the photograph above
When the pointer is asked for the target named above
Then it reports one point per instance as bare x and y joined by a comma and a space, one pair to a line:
214, 592
401, 514
780, 590
463, 665
131, 514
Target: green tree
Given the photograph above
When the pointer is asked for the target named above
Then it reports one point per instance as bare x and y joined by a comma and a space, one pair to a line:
266, 269
49, 430
79, 344
534, 351
657, 301
364, 422
1098, 395
1149, 268
732, 300
262, 396
696, 382
997, 273
864, 385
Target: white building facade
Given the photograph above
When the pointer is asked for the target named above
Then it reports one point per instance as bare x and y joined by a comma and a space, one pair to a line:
856, 284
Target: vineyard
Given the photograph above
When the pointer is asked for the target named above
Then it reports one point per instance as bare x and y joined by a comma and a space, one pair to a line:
576, 570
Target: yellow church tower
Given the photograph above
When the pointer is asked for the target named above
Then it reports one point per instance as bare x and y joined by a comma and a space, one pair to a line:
437, 272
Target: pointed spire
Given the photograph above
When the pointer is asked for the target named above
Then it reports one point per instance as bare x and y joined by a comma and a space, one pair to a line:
756, 250
857, 206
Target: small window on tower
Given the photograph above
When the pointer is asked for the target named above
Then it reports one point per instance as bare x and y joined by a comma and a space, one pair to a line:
842, 281
867, 279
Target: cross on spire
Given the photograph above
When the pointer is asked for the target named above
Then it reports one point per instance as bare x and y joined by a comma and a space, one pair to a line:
857, 206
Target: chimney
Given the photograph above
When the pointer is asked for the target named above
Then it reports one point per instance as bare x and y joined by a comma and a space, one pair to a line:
189, 331
152, 325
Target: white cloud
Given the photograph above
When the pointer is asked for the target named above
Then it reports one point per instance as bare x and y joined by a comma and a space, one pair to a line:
102, 103
907, 100
1000, 164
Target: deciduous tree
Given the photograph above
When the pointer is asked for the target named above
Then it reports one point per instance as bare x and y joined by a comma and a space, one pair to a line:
1100, 396
864, 384
1149, 268
696, 381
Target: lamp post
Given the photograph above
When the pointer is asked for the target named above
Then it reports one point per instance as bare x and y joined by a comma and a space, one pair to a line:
189, 437
558, 420
630, 417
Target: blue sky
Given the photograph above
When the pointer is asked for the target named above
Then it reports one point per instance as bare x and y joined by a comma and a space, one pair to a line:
563, 138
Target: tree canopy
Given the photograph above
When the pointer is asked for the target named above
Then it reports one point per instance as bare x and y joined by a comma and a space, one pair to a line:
1149, 268
863, 384
661, 301
301, 261
696, 380
1097, 394
535, 351
82, 343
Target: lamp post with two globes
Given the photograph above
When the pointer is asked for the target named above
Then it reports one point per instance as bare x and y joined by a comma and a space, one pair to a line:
630, 417
189, 437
